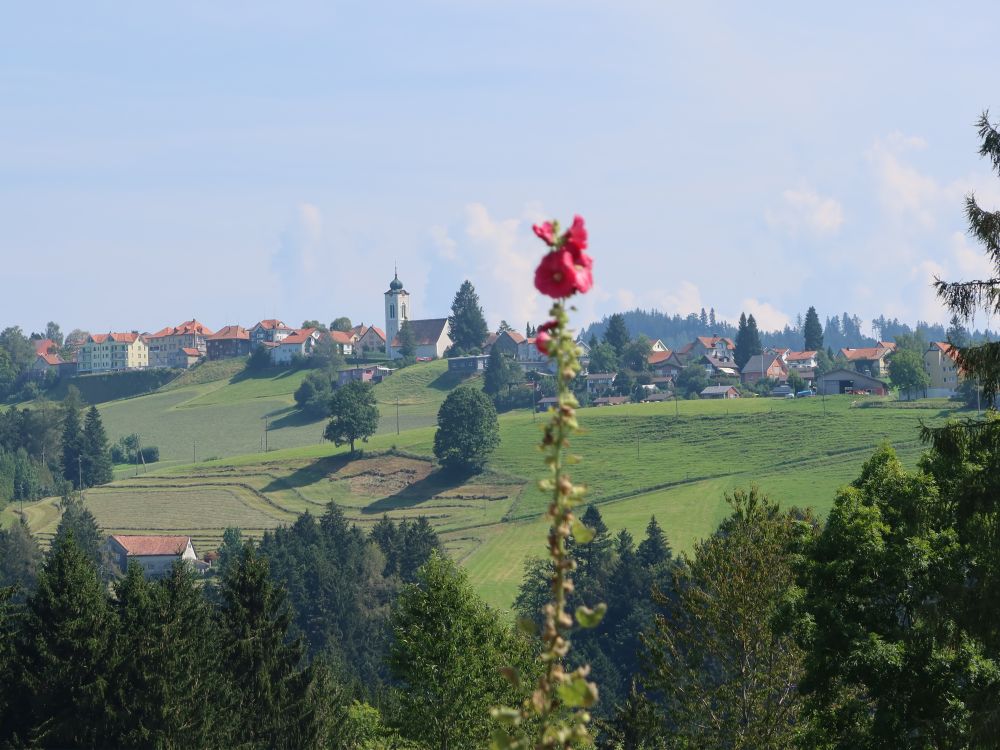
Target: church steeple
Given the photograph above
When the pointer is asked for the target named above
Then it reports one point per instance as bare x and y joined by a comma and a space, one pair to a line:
397, 302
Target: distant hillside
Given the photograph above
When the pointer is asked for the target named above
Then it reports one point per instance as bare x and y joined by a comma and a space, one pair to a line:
839, 331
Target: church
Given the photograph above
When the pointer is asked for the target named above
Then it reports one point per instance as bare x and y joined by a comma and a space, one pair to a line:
430, 336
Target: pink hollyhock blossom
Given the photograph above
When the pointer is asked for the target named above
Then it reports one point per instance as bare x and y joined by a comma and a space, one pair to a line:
543, 337
575, 239
556, 275
584, 277
545, 232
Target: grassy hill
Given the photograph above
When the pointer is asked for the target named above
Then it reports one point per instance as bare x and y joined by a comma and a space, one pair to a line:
638, 460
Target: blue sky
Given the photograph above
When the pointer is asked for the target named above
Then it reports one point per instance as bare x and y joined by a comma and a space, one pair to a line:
235, 161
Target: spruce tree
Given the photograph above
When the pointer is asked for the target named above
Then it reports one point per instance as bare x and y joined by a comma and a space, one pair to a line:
20, 559
616, 333
97, 467
66, 651
711, 317
72, 444
742, 353
753, 336
269, 687
812, 331
467, 324
654, 549
78, 521
704, 318
167, 688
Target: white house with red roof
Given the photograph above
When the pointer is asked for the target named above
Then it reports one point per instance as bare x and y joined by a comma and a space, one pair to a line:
167, 346
269, 331
801, 360
299, 343
343, 342
155, 554
111, 352
718, 347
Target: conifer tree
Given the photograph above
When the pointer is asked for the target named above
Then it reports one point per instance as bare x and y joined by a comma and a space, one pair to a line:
711, 317
97, 468
66, 651
812, 331
742, 353
704, 318
167, 688
654, 549
270, 689
20, 559
467, 324
72, 444
616, 333
78, 521
753, 336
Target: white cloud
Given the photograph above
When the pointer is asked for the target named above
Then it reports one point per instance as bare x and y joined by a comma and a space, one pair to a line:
298, 249
805, 209
686, 298
446, 246
970, 261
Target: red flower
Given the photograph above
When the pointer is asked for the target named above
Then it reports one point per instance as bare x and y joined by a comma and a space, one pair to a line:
575, 239
584, 277
556, 275
545, 232
543, 336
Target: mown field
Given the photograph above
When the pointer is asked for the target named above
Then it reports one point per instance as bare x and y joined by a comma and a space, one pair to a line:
638, 460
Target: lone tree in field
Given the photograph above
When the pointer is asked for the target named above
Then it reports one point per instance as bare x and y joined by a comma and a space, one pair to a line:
467, 324
354, 414
812, 330
468, 430
981, 363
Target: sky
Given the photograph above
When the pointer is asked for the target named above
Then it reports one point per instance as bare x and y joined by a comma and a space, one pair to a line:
240, 161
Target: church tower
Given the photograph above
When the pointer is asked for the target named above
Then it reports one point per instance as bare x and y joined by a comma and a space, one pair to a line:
397, 310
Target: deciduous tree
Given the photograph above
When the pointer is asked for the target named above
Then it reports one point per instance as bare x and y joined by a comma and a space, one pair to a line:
468, 430
354, 414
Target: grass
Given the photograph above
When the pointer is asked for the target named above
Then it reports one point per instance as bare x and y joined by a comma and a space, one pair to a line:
676, 462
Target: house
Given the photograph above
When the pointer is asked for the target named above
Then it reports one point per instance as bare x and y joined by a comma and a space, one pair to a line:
801, 360
845, 381
654, 397
508, 342
719, 368
531, 359
166, 345
48, 360
658, 346
598, 382
610, 401
230, 341
369, 339
367, 374
269, 331
941, 364
665, 366
473, 363
761, 366
544, 404
299, 343
720, 391
343, 343
111, 352
156, 555
714, 346
871, 360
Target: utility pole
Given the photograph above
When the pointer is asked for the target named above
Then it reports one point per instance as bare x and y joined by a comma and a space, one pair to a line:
194, 452
265, 434
79, 467
397, 415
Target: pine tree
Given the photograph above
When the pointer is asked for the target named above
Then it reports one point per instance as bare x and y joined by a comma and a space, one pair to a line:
269, 687
742, 353
616, 333
812, 331
654, 549
468, 329
167, 687
753, 336
704, 318
72, 444
66, 650
97, 468
711, 317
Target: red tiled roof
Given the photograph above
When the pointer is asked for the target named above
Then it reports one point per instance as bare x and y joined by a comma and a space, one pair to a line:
339, 337
51, 359
230, 332
868, 352
890, 345
42, 346
378, 331
656, 357
191, 352
299, 337
518, 338
188, 327
270, 324
947, 349
140, 546
120, 338
800, 356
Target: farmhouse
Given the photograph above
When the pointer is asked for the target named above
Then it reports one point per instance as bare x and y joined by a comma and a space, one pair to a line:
871, 360
155, 554
720, 391
844, 381
761, 366
714, 346
231, 341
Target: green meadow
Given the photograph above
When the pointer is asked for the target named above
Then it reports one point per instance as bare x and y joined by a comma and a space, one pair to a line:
673, 461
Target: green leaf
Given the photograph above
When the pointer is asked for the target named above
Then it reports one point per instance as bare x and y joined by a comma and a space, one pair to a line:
576, 692
591, 618
582, 533
508, 716
527, 626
